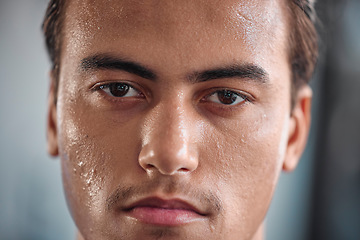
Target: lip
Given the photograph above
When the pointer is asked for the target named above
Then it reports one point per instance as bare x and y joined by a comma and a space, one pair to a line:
157, 211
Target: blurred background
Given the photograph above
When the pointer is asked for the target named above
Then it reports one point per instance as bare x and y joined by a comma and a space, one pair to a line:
319, 200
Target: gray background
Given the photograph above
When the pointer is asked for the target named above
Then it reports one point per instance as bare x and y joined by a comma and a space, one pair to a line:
314, 202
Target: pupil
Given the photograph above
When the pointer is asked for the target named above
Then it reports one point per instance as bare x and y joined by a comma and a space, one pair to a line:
227, 97
119, 89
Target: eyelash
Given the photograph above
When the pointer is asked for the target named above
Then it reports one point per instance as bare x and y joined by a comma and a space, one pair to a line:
216, 93
227, 94
121, 86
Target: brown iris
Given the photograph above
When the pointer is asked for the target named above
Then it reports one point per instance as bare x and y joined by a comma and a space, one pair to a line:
118, 89
227, 97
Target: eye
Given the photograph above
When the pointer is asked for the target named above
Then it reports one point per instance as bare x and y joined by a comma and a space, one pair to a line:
119, 89
226, 97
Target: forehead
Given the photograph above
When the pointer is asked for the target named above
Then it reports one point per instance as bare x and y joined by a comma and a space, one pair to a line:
161, 13
184, 27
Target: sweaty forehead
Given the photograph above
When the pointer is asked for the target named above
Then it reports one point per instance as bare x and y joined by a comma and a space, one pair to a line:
169, 18
182, 32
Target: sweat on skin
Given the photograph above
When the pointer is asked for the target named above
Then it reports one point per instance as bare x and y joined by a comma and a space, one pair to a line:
173, 118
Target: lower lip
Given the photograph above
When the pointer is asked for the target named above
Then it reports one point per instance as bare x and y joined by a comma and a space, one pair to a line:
164, 216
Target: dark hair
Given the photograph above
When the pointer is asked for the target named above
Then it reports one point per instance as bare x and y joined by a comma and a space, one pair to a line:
303, 44
303, 40
52, 27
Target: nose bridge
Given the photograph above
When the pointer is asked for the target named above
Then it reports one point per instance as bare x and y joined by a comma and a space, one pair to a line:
173, 127
169, 131
167, 146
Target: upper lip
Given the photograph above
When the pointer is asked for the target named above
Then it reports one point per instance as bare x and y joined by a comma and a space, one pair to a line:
156, 202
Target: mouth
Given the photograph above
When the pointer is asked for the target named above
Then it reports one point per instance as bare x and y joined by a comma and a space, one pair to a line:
157, 211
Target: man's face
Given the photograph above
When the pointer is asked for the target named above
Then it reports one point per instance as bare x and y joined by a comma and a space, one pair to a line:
173, 117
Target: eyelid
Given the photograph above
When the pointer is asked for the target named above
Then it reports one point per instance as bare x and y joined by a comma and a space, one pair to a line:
98, 86
246, 96
130, 91
132, 85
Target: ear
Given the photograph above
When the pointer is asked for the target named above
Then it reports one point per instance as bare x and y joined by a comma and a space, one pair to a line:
52, 140
299, 127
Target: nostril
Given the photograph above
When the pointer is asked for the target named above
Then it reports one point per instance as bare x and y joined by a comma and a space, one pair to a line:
184, 170
149, 166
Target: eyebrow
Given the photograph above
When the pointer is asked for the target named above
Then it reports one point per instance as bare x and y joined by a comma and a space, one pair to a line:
248, 71
103, 61
244, 71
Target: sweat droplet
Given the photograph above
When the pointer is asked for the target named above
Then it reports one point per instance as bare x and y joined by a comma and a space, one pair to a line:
81, 164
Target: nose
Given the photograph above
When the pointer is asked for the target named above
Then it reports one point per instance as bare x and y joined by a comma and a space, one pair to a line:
167, 146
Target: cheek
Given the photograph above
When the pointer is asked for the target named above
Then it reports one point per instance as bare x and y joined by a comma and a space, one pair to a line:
84, 159
83, 163
246, 147
247, 162
96, 151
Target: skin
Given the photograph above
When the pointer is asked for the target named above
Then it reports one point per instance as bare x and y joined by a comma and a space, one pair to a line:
173, 138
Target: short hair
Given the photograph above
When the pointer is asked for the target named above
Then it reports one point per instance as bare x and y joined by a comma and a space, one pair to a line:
302, 44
